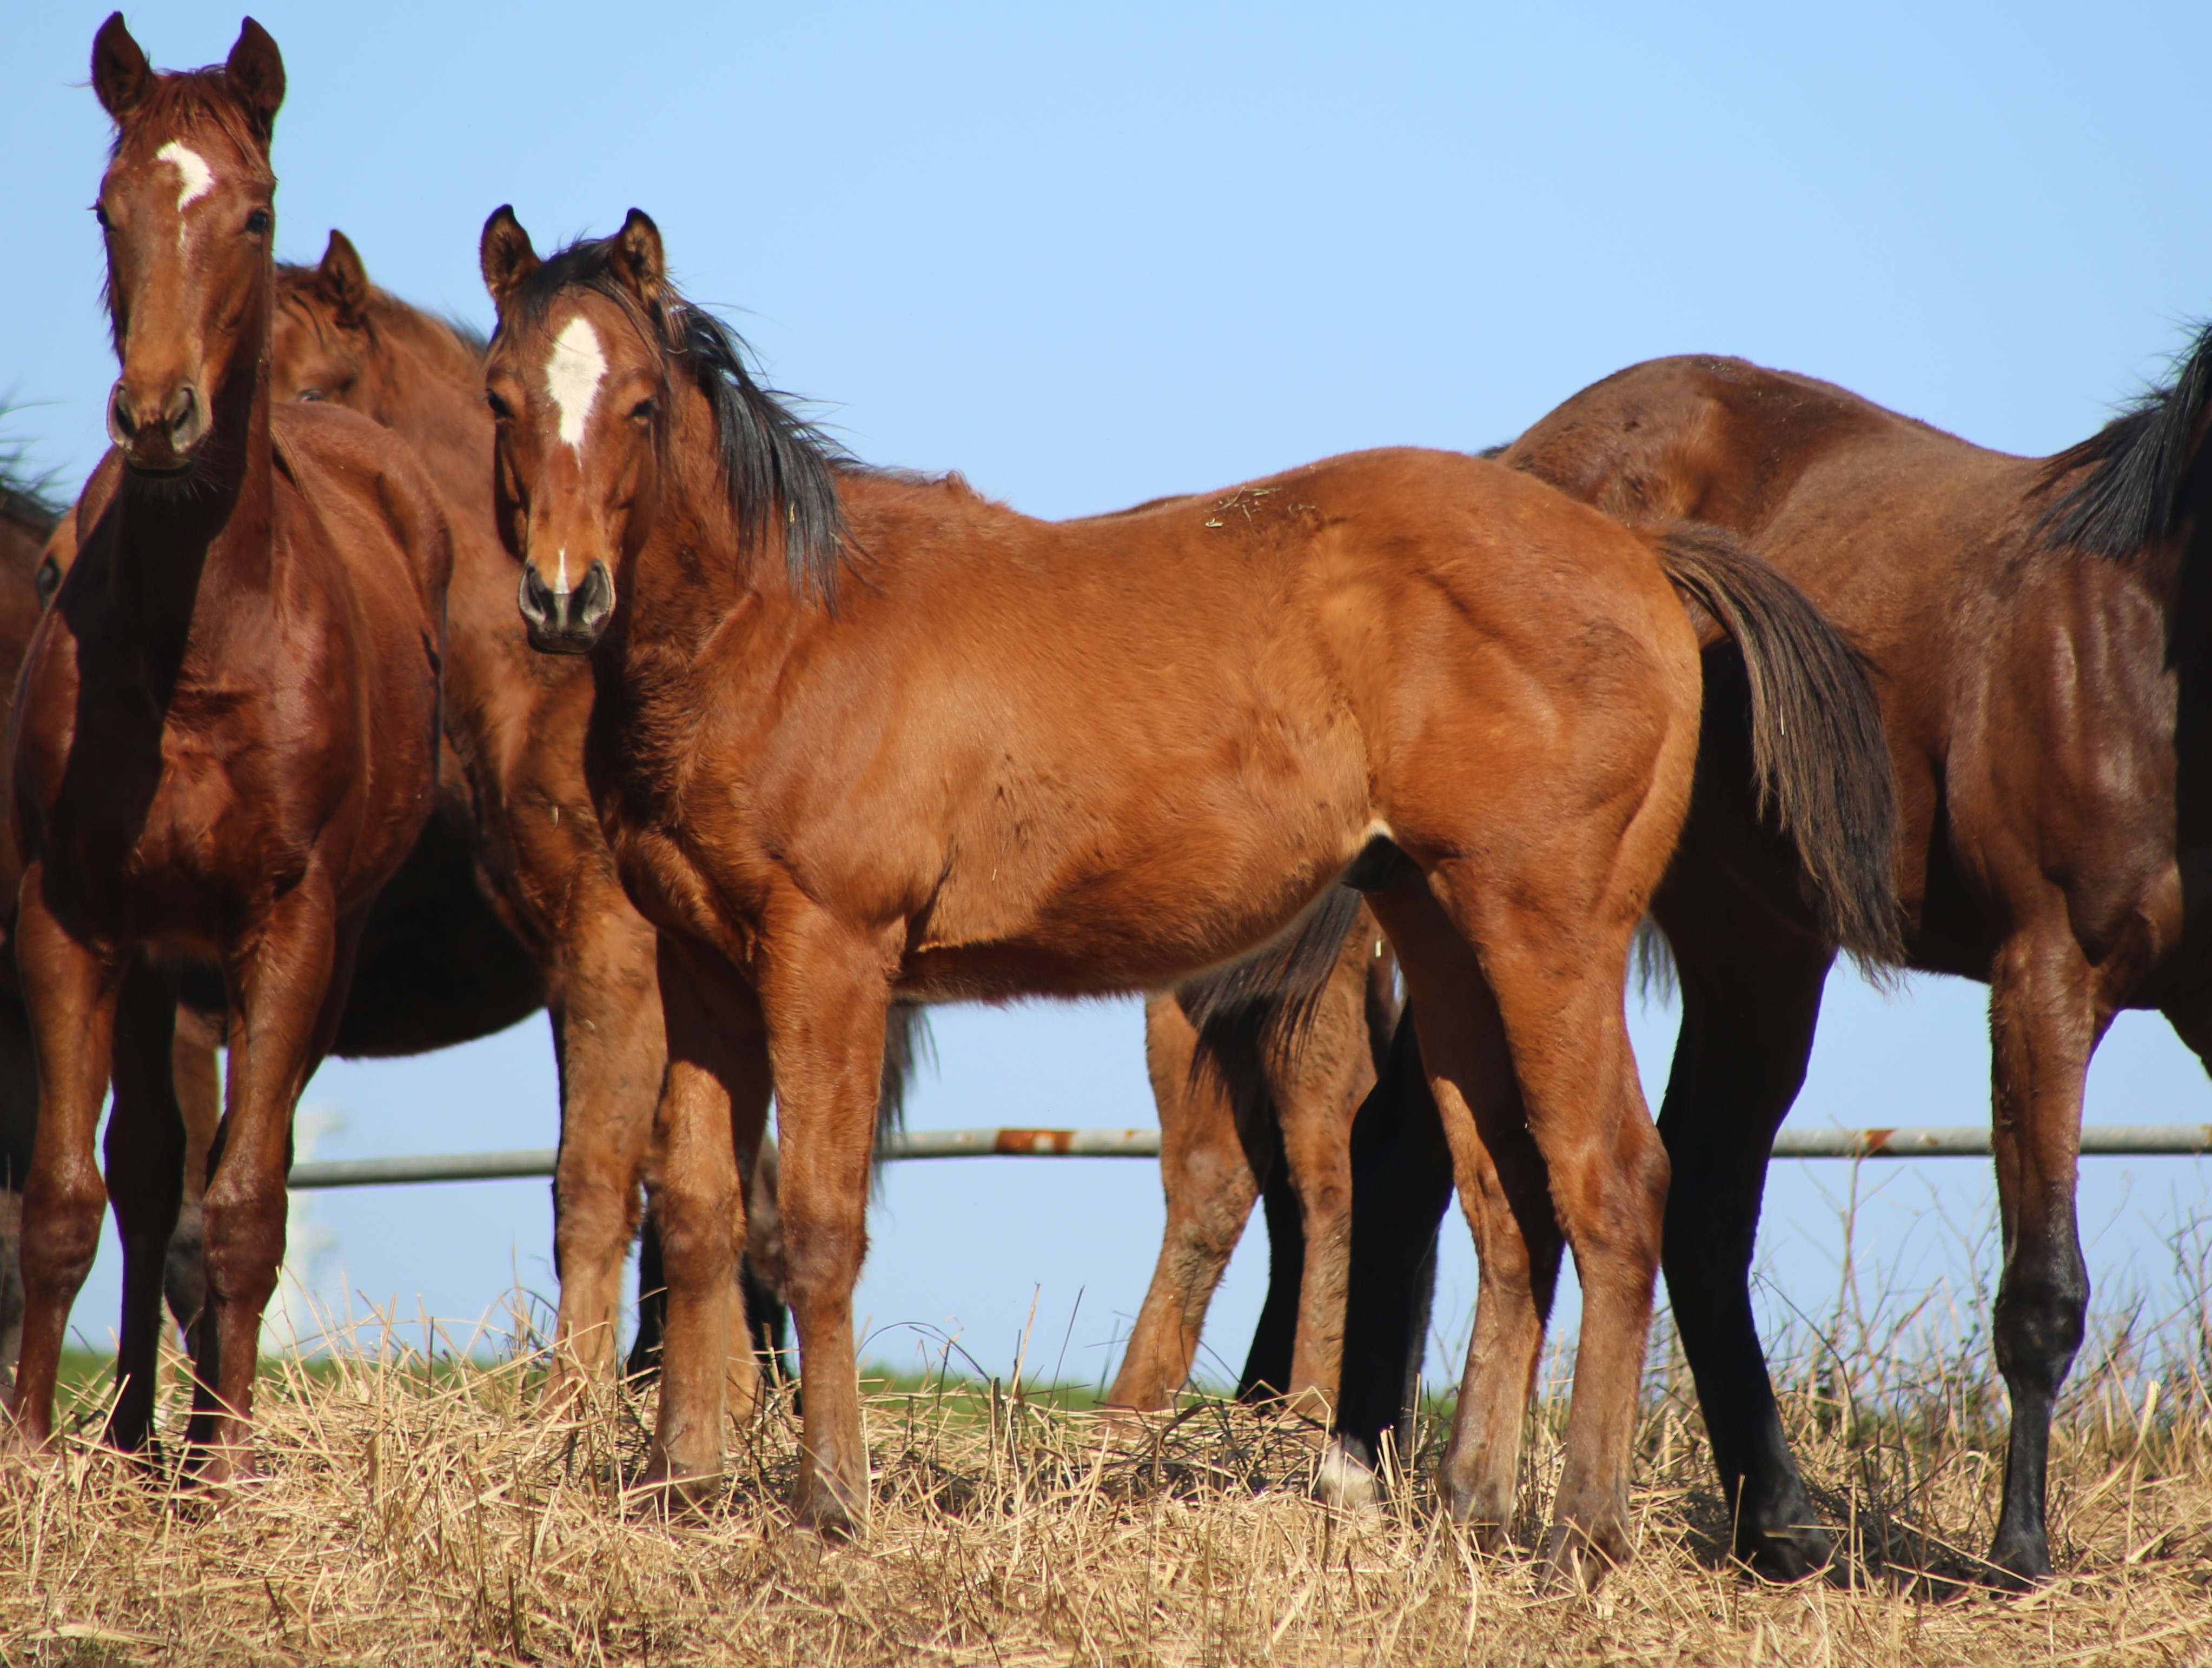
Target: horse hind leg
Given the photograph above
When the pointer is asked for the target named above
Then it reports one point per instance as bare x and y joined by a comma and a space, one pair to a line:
1210, 1181
1553, 955
1319, 1086
1501, 1177
1748, 1023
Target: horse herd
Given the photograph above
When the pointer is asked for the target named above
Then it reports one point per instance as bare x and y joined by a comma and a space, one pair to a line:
383, 685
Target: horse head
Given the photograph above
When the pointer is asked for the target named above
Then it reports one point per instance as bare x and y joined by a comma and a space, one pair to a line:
187, 210
618, 405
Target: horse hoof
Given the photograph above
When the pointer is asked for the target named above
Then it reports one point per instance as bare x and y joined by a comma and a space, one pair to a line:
1347, 1482
822, 1514
674, 1494
2020, 1563
1786, 1555
1575, 1556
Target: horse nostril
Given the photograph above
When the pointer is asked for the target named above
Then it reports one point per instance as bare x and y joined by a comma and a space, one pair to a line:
183, 405
121, 425
535, 598
594, 602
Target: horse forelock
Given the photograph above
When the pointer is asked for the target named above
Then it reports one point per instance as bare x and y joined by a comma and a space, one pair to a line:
2134, 481
179, 102
775, 467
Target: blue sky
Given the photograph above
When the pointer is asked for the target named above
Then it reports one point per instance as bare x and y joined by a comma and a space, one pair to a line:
1093, 257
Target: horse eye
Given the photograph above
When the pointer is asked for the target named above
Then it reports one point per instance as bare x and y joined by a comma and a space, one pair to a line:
256, 224
312, 396
100, 214
642, 411
499, 408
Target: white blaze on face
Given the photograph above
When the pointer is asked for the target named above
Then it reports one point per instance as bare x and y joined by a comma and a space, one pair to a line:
573, 375
195, 180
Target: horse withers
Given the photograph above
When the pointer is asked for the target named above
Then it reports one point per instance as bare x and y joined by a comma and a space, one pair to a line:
226, 740
859, 735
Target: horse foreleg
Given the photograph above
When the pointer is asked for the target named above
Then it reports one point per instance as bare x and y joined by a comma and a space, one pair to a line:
289, 989
1209, 1182
145, 1152
612, 1047
717, 1077
2044, 1026
825, 995
71, 995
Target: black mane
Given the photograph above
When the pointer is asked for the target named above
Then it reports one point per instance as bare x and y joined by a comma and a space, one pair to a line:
2141, 473
26, 499
777, 466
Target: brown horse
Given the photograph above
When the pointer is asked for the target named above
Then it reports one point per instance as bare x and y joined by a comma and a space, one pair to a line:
226, 739
27, 521
945, 750
339, 338
2040, 628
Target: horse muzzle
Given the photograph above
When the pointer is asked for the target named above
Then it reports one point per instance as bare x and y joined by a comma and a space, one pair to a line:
567, 621
157, 429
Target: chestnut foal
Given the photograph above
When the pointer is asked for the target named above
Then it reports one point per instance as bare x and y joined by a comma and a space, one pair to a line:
859, 735
227, 739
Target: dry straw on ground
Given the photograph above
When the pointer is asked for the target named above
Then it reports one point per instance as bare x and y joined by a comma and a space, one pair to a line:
427, 1514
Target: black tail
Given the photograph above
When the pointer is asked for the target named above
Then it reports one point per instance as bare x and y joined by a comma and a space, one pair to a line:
1261, 1008
1820, 761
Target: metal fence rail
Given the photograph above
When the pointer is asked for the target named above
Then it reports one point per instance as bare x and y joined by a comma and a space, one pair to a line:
1960, 1141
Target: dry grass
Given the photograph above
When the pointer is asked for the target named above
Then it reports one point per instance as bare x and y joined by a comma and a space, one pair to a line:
415, 1515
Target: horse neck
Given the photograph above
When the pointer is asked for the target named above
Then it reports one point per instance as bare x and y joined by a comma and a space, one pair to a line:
431, 392
215, 535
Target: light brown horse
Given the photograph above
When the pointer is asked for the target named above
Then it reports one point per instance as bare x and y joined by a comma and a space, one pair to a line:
1263, 1097
2040, 629
941, 750
226, 739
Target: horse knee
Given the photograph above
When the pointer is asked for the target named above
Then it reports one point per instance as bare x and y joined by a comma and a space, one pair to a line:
698, 1235
61, 1227
2041, 1318
242, 1242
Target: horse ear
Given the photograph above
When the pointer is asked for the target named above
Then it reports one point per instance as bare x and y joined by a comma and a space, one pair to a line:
121, 74
637, 257
341, 279
505, 255
255, 72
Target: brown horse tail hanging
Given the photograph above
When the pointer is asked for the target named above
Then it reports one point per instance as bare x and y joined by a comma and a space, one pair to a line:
1820, 762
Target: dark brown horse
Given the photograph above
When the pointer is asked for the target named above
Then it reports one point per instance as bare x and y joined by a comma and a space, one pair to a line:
859, 735
226, 740
2039, 627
